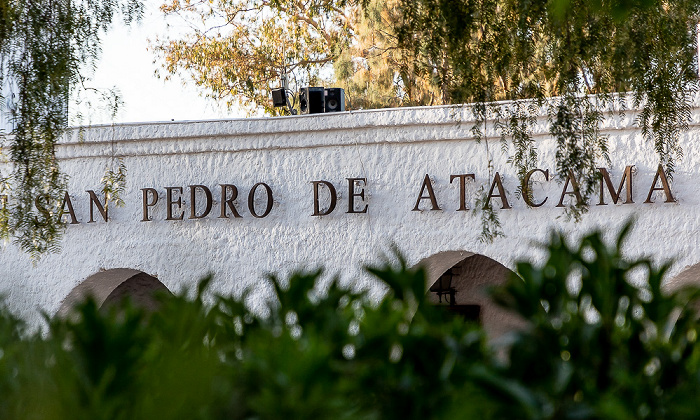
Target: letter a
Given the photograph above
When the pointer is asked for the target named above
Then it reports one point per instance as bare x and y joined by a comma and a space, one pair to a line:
660, 174
501, 192
576, 191
427, 185
71, 212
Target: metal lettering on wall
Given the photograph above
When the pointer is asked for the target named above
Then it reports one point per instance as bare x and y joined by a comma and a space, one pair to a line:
323, 198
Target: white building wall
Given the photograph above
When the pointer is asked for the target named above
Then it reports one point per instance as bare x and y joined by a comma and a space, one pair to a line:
392, 149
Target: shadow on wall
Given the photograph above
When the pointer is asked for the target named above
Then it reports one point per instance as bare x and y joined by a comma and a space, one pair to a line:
113, 286
469, 276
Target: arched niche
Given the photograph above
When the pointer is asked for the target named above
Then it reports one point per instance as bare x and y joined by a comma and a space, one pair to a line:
112, 286
689, 275
471, 274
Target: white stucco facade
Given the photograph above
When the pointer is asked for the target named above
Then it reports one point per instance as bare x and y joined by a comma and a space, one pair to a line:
392, 149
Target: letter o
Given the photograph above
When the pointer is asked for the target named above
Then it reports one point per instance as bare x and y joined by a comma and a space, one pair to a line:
251, 200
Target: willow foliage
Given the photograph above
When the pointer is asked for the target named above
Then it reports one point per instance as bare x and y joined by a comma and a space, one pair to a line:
46, 49
510, 60
572, 59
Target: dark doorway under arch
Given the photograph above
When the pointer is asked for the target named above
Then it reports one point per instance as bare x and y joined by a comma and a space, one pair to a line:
471, 274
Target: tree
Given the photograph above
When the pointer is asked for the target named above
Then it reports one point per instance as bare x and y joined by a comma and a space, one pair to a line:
374, 71
46, 50
575, 59
239, 50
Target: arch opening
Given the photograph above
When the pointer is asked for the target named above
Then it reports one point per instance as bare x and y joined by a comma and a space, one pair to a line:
689, 275
458, 281
111, 287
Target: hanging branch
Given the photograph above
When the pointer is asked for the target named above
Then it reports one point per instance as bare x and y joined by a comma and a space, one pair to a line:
574, 60
45, 49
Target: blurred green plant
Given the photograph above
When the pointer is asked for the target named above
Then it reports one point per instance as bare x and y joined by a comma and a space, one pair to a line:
602, 341
605, 340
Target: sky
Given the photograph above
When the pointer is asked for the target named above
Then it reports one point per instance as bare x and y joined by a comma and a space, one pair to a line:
127, 64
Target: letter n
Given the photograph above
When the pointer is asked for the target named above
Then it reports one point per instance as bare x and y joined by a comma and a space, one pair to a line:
94, 201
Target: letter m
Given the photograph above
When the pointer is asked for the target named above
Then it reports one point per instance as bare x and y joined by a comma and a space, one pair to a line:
626, 181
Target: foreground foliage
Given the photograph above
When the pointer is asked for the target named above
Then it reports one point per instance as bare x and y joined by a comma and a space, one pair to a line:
595, 346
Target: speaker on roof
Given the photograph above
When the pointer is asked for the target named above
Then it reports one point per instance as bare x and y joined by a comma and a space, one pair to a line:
279, 97
312, 100
335, 99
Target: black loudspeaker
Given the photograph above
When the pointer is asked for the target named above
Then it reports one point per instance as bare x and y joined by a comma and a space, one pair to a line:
279, 97
335, 99
312, 100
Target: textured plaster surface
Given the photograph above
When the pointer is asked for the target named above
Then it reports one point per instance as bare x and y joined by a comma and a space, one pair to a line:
393, 149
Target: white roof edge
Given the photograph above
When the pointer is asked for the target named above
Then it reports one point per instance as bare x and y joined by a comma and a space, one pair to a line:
350, 120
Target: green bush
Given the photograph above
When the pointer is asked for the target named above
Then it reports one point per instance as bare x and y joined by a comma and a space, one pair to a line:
601, 341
